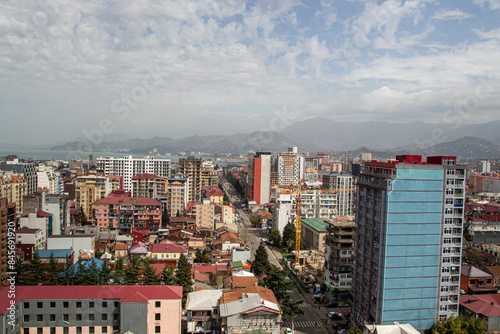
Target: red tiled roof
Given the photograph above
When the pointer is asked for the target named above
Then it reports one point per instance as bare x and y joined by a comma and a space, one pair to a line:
487, 305
39, 214
167, 248
144, 176
215, 192
264, 293
125, 293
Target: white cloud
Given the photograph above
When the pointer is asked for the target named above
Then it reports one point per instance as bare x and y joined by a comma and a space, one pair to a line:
493, 4
450, 14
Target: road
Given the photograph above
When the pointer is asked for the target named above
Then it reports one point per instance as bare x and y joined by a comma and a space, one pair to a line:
313, 320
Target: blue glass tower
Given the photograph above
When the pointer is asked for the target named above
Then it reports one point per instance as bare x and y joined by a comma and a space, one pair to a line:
408, 244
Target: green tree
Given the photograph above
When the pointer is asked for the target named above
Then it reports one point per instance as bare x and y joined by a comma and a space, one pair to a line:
165, 219
275, 238
255, 221
118, 274
21, 270
201, 256
35, 271
278, 281
459, 325
52, 271
133, 271
288, 240
80, 217
91, 275
183, 276
104, 275
149, 276
355, 330
261, 263
167, 275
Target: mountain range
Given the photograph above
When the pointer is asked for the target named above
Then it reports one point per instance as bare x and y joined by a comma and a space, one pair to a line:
324, 135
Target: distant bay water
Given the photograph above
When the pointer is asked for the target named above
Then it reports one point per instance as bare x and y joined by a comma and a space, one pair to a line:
70, 155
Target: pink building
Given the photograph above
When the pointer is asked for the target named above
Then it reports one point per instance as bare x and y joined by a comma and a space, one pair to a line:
91, 309
127, 213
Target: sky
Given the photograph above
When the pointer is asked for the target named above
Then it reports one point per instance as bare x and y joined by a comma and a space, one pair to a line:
99, 68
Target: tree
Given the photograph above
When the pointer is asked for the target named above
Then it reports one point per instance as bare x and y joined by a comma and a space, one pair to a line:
275, 238
80, 217
133, 272
149, 276
35, 271
91, 276
104, 275
288, 240
355, 330
167, 275
118, 274
183, 276
52, 271
459, 325
261, 263
201, 257
165, 219
278, 281
255, 221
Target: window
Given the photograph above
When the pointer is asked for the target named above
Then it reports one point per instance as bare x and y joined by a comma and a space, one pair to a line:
116, 316
104, 317
78, 330
91, 304
52, 317
445, 270
39, 317
65, 304
447, 240
66, 317
26, 331
157, 304
52, 330
446, 250
79, 304
445, 279
26, 318
444, 289
78, 317
446, 260
444, 298
157, 329
104, 304
91, 316
443, 308
39, 304
26, 305
52, 304
116, 304
65, 330
39, 330
104, 329
91, 330
157, 316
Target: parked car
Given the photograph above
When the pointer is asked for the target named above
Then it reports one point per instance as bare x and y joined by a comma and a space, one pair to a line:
342, 304
332, 304
288, 330
335, 316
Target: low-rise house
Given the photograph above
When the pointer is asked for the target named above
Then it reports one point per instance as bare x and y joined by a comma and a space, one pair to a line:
397, 328
60, 255
166, 251
79, 243
475, 281
484, 307
121, 250
203, 311
243, 279
250, 309
195, 243
29, 240
495, 271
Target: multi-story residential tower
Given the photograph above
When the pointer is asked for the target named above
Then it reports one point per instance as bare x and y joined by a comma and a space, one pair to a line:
408, 243
178, 195
27, 168
345, 184
90, 188
128, 167
191, 168
289, 167
339, 248
209, 177
13, 187
259, 177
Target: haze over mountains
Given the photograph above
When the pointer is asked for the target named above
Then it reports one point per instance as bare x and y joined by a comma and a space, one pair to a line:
321, 134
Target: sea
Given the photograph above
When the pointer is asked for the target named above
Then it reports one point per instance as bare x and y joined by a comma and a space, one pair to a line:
42, 155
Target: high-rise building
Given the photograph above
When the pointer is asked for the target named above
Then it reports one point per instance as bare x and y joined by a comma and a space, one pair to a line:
7, 215
191, 168
290, 169
209, 177
127, 167
13, 187
345, 184
47, 180
90, 188
26, 168
409, 241
483, 166
259, 177
178, 194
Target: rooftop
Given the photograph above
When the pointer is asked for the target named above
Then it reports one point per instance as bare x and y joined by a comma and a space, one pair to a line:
316, 223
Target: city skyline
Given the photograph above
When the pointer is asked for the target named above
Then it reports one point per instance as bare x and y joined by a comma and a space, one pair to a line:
72, 69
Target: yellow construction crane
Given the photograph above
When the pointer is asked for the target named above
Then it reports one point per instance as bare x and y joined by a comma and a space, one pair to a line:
298, 211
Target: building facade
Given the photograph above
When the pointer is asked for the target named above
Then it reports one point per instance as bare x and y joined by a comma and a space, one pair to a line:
127, 167
90, 188
409, 241
13, 186
345, 185
144, 309
7, 222
259, 177
27, 168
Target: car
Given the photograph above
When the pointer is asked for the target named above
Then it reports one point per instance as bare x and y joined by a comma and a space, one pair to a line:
288, 330
332, 304
342, 331
335, 315
342, 304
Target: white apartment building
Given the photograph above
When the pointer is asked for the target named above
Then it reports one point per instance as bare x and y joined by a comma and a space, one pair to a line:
47, 180
129, 166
